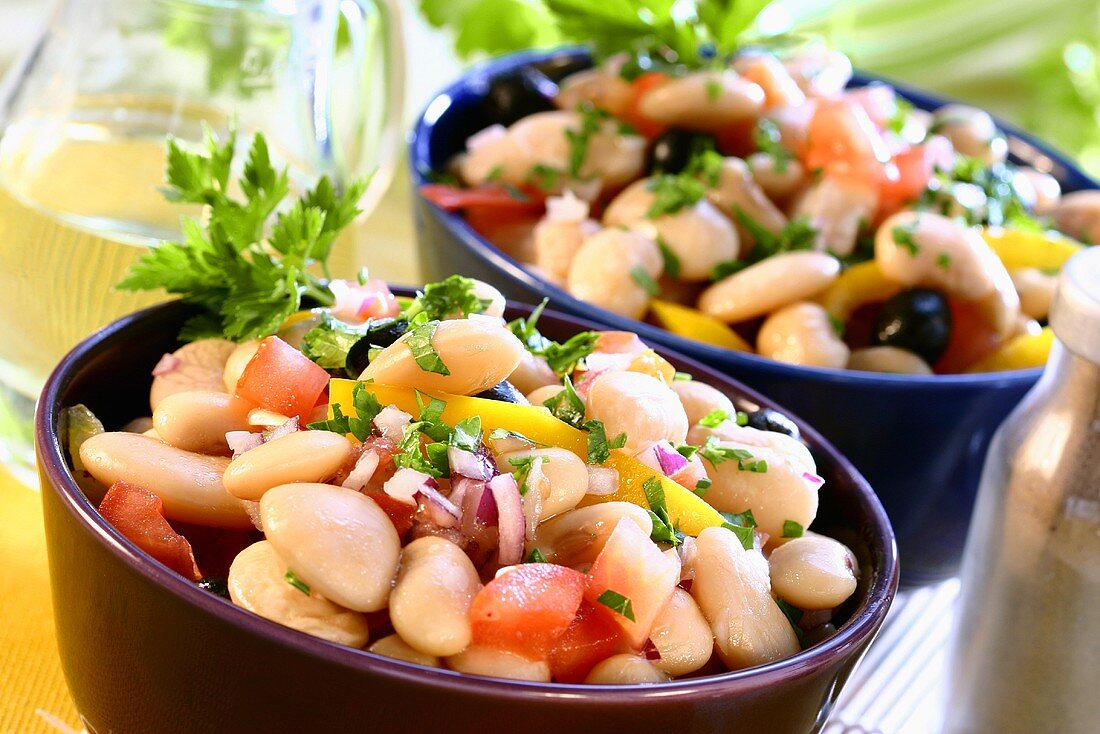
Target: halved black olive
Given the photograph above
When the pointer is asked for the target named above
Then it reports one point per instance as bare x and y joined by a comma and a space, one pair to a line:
918, 320
516, 95
674, 150
215, 585
503, 391
381, 334
767, 419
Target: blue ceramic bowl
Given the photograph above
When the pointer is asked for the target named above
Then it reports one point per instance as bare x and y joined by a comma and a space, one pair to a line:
919, 440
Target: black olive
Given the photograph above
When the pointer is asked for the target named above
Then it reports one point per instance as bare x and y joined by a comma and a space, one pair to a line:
918, 320
767, 419
381, 334
214, 585
672, 151
516, 95
503, 391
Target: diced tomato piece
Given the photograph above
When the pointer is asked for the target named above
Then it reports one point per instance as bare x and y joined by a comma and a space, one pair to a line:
525, 610
632, 566
642, 86
282, 379
500, 226
138, 514
736, 139
593, 636
492, 197
972, 338
400, 513
843, 141
215, 549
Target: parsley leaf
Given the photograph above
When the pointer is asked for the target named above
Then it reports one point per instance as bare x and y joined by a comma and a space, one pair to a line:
797, 234
616, 602
467, 434
792, 529
767, 139
328, 342
716, 454
714, 418
663, 529
500, 434
563, 357
291, 578
591, 122
524, 465
453, 297
536, 556
567, 405
673, 192
419, 342
361, 425
793, 615
599, 447
742, 525
672, 262
903, 236
639, 275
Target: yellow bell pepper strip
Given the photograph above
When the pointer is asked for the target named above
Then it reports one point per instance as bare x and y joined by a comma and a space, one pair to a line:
686, 510
652, 364
693, 324
1019, 248
857, 286
1022, 353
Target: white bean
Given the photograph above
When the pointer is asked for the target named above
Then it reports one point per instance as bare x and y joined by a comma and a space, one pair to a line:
698, 235
706, 100
802, 334
531, 373
499, 664
972, 132
837, 208
200, 367
1046, 187
336, 540
257, 582
540, 395
748, 437
738, 191
779, 181
486, 292
626, 669
302, 456
606, 268
700, 399
197, 420
477, 353
430, 603
733, 591
236, 362
556, 244
682, 636
576, 537
189, 484
813, 572
1036, 291
769, 284
780, 88
565, 474
604, 88
888, 359
1078, 215
392, 646
642, 407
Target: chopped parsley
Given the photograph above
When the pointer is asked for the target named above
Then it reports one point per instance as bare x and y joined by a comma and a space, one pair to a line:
639, 275
727, 268
329, 342
452, 297
673, 192
903, 237
599, 446
545, 177
682, 377
797, 234
431, 417
792, 529
291, 578
536, 556
714, 418
714, 90
360, 425
501, 434
567, 405
793, 615
767, 139
562, 357
591, 122
419, 341
716, 454
663, 529
687, 450
616, 602
902, 108
524, 465
467, 434
943, 261
429, 458
743, 525
838, 325
672, 262
702, 486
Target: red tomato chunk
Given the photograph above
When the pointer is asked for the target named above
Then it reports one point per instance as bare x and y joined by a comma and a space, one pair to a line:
592, 637
282, 379
138, 514
527, 609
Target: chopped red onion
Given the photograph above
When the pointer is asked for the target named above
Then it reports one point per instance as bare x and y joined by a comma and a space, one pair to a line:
241, 441
391, 421
168, 363
285, 428
687, 551
468, 464
478, 508
602, 481
813, 479
650, 651
759, 539
669, 458
405, 484
566, 208
364, 469
438, 508
510, 520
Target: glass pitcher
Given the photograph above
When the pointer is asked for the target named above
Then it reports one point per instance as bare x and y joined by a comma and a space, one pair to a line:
83, 121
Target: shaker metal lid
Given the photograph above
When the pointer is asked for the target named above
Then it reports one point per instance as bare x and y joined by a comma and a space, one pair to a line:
1075, 313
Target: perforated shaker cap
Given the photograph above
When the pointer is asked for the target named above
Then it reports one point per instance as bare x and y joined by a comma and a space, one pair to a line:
1075, 313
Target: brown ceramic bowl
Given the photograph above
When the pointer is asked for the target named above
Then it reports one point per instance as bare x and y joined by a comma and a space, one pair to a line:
144, 650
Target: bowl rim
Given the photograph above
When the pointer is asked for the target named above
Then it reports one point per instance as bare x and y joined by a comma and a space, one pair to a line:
866, 618
419, 150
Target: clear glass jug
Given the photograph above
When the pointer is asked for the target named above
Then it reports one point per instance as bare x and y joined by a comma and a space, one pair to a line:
83, 121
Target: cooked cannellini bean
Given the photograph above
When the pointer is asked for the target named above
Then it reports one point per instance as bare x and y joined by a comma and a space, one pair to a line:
189, 484
700, 399
565, 473
556, 244
392, 646
486, 292
531, 373
698, 235
199, 366
888, 359
813, 572
1046, 187
972, 132
336, 540
257, 582
1036, 291
819, 70
477, 352
1078, 215
737, 190
612, 158
682, 636
604, 271
236, 362
576, 537
780, 88
837, 208
802, 334
499, 664
705, 100
540, 395
626, 669
603, 87
430, 603
302, 456
920, 248
732, 589
642, 407
197, 420
779, 180
745, 436
769, 285
782, 492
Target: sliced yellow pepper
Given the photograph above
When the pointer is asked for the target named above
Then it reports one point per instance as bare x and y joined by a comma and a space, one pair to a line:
1023, 352
652, 364
688, 322
857, 286
1020, 248
686, 510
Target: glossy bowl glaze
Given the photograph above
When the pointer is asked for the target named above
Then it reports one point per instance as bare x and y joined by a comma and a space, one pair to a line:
920, 441
144, 650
